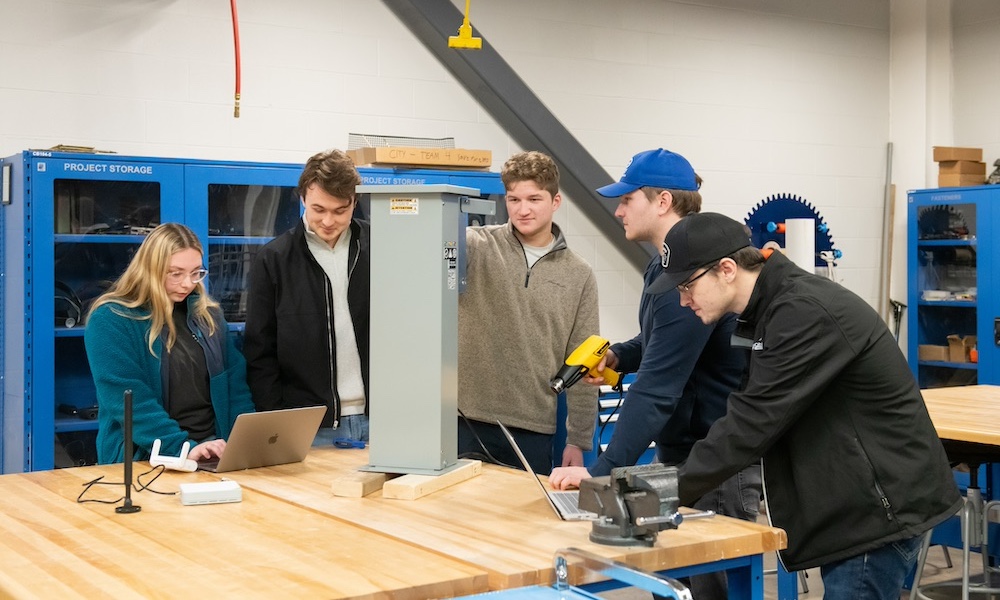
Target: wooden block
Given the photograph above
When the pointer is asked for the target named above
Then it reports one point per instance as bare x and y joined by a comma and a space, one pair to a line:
411, 487
440, 157
945, 153
964, 167
359, 484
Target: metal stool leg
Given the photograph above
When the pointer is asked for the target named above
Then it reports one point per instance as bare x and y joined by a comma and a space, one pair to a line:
985, 549
921, 561
969, 510
947, 556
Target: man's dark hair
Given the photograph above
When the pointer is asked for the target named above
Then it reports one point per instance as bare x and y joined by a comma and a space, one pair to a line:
749, 258
333, 171
685, 201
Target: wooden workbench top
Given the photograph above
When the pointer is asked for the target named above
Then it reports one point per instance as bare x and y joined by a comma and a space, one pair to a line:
498, 520
262, 547
965, 413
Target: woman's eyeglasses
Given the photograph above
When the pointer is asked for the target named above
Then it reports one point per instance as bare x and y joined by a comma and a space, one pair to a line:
195, 276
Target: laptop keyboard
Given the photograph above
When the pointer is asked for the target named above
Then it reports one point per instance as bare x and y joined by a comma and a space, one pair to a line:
208, 465
568, 502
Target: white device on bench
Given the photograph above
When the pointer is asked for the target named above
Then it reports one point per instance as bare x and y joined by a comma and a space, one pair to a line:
176, 463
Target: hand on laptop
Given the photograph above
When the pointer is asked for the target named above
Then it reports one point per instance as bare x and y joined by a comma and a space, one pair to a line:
211, 449
564, 478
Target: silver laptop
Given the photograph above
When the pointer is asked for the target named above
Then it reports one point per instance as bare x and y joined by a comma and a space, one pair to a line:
271, 437
566, 504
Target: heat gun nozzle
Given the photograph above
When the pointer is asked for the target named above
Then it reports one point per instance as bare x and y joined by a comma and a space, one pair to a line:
557, 385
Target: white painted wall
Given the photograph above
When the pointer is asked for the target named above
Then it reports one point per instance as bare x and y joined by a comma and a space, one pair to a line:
976, 60
915, 118
764, 97
781, 98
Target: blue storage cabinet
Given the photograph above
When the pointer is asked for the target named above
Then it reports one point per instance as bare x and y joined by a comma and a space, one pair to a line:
72, 224
952, 241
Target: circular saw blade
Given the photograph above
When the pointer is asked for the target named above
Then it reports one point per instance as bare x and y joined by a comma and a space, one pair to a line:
941, 222
780, 207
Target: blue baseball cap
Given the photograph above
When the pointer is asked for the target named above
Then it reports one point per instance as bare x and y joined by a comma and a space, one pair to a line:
653, 168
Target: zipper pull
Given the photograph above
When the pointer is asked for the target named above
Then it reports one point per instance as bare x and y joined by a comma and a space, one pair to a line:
887, 507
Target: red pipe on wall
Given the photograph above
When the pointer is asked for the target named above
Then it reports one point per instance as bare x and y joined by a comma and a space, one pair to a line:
236, 46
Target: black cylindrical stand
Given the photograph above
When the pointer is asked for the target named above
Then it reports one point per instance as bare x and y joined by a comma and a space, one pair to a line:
128, 507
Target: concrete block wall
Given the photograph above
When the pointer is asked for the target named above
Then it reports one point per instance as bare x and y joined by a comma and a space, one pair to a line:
779, 96
976, 60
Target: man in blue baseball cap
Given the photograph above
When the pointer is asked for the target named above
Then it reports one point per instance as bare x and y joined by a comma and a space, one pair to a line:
684, 369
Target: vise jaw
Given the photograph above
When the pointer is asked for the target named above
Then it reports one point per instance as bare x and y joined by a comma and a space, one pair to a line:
632, 504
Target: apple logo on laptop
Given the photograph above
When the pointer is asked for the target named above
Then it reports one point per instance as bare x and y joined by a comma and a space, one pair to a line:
273, 439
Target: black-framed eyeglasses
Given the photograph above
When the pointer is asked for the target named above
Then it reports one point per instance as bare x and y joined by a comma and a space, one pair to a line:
685, 288
196, 276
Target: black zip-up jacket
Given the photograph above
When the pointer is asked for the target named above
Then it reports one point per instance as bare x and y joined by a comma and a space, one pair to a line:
852, 461
289, 342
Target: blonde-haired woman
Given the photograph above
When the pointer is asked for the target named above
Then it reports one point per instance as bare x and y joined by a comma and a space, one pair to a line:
156, 332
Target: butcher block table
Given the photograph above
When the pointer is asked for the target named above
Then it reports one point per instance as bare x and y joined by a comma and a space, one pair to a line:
965, 413
51, 546
500, 522
965, 418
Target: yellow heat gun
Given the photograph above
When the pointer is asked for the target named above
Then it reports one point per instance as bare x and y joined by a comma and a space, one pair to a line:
583, 361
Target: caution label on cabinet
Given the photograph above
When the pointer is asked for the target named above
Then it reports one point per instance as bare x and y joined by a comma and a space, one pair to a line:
404, 206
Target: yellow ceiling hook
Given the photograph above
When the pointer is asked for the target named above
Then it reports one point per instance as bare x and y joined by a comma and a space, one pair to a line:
464, 38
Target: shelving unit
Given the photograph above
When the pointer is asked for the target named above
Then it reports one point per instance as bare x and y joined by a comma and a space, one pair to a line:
952, 248
71, 227
952, 283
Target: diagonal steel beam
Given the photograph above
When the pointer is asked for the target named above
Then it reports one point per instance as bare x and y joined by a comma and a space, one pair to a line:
512, 104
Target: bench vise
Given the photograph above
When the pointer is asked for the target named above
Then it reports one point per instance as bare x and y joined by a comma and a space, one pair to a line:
632, 504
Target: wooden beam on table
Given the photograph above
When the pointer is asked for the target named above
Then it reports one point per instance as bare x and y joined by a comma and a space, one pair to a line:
411, 487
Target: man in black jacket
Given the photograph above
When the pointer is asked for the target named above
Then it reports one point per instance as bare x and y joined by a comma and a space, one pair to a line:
853, 469
306, 339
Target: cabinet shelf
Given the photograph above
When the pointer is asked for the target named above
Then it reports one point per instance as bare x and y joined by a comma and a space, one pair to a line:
955, 242
68, 332
949, 365
948, 303
235, 239
67, 424
97, 238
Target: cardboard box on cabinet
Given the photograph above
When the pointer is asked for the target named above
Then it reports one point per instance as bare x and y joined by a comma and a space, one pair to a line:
960, 180
962, 167
932, 353
958, 347
949, 153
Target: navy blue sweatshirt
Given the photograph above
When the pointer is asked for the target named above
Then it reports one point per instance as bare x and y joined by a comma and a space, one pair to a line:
685, 371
